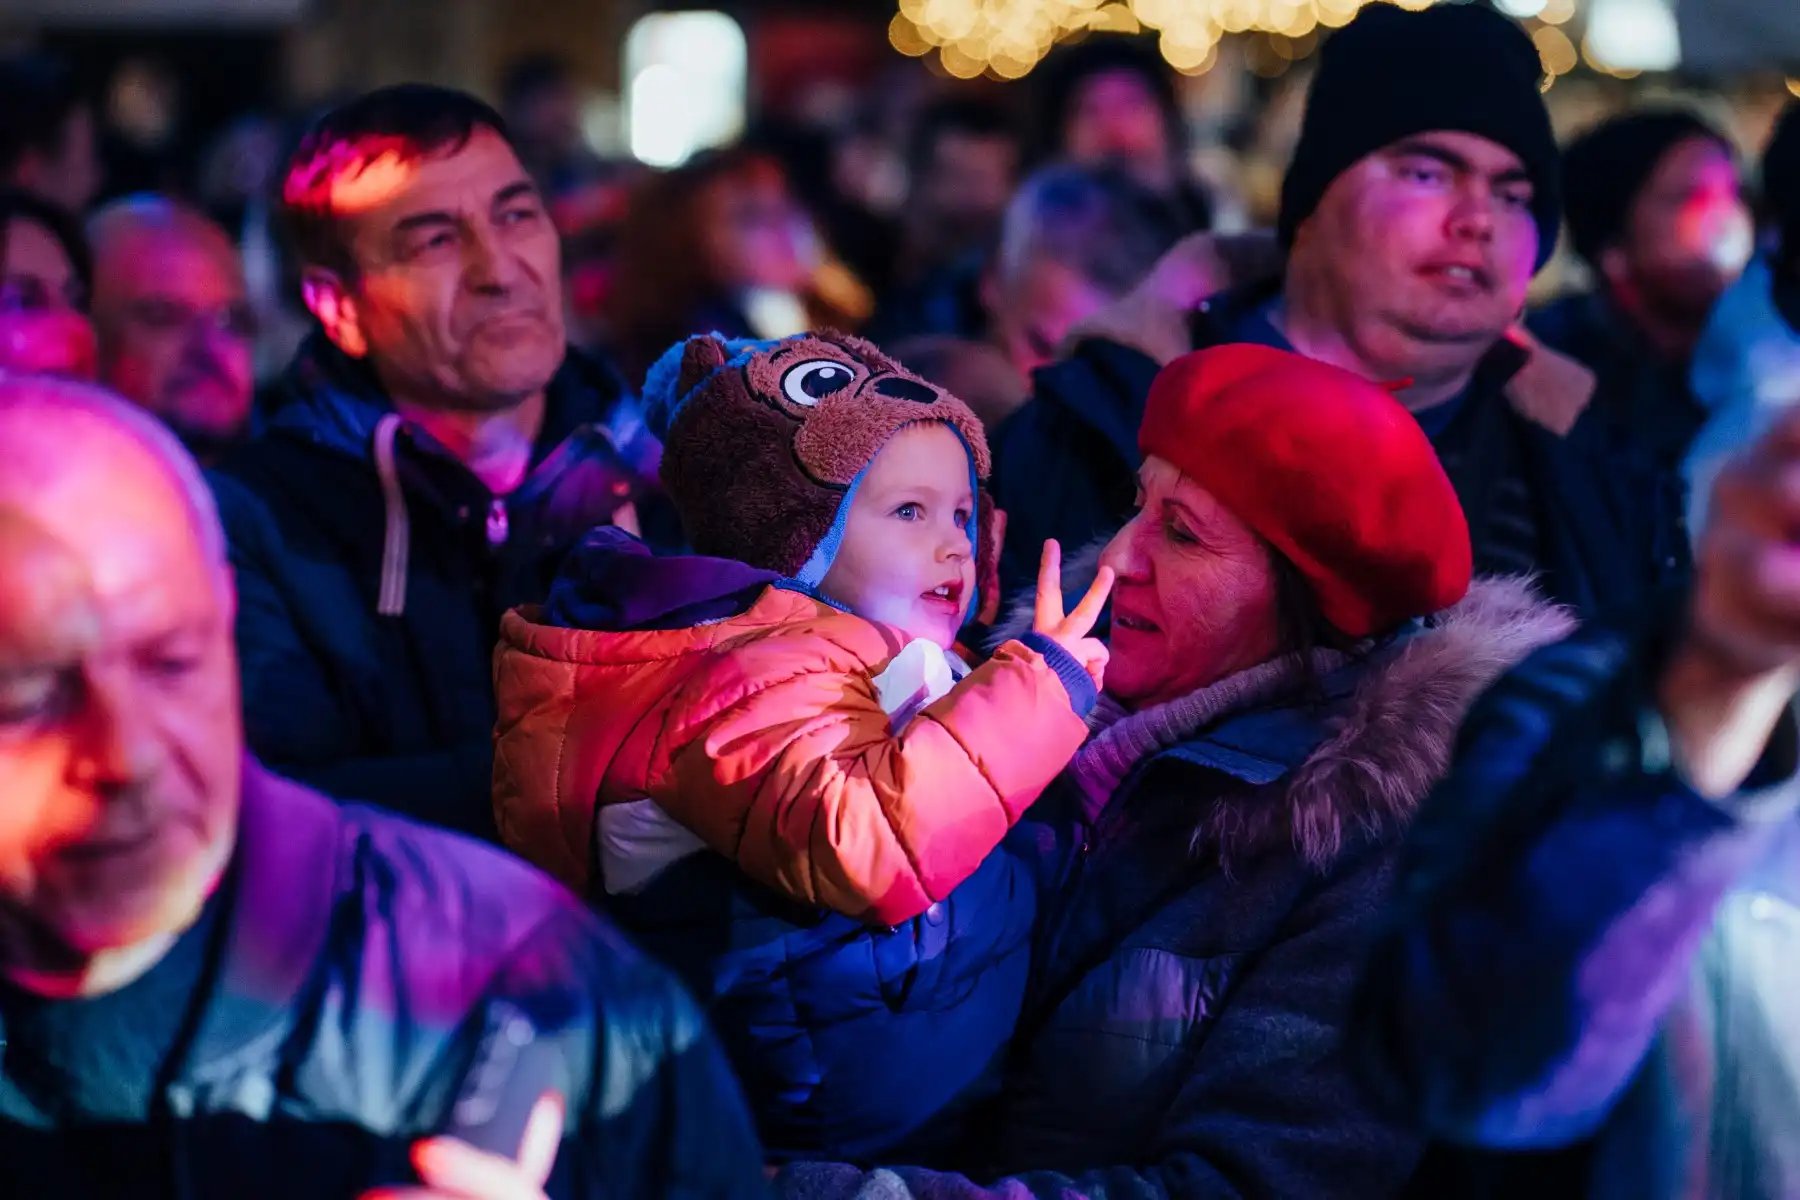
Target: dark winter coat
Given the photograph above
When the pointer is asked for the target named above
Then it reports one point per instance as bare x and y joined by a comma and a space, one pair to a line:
1590, 972
370, 595
1183, 1034
1065, 465
1638, 391
367, 966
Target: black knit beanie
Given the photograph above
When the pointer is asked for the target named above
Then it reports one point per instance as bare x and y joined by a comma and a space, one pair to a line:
1605, 169
1392, 73
1781, 180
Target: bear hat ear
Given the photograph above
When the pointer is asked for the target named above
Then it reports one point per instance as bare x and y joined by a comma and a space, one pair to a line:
675, 374
702, 356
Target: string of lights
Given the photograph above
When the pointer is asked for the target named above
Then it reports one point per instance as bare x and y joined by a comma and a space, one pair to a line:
1005, 39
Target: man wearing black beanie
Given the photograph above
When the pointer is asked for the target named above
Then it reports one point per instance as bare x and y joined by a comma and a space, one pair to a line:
1424, 194
1656, 210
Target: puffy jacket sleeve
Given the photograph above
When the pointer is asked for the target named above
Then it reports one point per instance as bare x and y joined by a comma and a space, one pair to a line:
653, 1107
783, 759
1552, 899
1270, 1106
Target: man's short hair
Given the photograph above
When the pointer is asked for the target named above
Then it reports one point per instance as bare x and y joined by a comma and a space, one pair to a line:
958, 116
413, 120
38, 96
1098, 222
17, 205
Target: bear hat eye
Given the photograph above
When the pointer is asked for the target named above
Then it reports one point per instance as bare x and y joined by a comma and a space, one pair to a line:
809, 382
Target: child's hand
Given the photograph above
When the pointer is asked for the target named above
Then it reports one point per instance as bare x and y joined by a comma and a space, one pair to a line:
1070, 631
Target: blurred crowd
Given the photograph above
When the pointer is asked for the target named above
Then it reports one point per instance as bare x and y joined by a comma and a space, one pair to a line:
524, 674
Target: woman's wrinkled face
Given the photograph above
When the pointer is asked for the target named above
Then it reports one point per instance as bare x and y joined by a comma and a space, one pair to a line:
1195, 596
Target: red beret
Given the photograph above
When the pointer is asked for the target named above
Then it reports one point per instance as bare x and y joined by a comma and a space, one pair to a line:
1326, 467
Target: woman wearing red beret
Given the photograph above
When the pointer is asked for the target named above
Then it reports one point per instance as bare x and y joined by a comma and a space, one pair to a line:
1295, 640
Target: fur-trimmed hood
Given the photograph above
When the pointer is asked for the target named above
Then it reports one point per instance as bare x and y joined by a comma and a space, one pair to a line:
1386, 743
1390, 743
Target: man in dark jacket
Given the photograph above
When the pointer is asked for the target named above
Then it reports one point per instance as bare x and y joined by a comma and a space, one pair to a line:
1592, 955
438, 448
1422, 197
1656, 210
214, 982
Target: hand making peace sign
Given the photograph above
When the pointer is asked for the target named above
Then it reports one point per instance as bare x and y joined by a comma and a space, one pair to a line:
1070, 630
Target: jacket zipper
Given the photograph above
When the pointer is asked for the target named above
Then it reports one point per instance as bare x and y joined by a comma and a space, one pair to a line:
497, 523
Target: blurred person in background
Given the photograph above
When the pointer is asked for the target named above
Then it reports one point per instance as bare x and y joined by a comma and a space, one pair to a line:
1747, 366
45, 273
439, 450
1111, 101
47, 136
1075, 239
1588, 973
541, 102
717, 245
238, 178
215, 982
143, 116
1422, 197
176, 328
964, 161
1656, 210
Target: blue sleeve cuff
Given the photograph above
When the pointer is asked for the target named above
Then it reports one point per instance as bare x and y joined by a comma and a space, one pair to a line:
1080, 685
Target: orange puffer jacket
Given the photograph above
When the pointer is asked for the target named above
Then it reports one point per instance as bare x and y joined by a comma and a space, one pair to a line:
764, 735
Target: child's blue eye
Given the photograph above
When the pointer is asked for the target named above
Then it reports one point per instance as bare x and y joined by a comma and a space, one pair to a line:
910, 512
963, 517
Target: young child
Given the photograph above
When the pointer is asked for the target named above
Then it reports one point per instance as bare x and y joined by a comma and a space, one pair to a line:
769, 764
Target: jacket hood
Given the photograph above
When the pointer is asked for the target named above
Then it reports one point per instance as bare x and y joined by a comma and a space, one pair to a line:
587, 464
1358, 766
333, 400
1391, 743
612, 583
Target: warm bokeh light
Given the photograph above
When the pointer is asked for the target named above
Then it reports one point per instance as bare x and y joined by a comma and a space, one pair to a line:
1557, 12
1007, 38
1556, 50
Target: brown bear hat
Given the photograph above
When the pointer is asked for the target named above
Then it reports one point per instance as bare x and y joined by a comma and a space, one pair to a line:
764, 444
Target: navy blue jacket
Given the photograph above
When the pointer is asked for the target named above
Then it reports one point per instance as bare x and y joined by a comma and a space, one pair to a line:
1065, 466
1634, 387
397, 708
1589, 977
853, 1043
366, 965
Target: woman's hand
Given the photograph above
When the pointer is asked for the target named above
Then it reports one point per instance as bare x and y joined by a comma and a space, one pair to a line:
1070, 631
454, 1170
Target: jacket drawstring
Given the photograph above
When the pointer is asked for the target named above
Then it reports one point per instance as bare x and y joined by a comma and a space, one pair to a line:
399, 535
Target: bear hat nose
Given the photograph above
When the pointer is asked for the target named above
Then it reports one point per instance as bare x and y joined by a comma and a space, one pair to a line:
905, 389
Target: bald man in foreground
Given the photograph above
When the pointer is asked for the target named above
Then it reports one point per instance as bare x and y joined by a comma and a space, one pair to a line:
177, 330
216, 982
